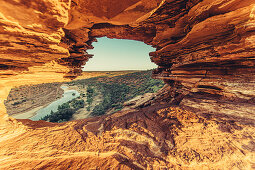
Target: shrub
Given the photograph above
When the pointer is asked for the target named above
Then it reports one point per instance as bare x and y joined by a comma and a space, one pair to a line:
65, 111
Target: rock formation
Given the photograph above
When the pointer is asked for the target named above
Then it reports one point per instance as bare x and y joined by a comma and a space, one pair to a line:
204, 51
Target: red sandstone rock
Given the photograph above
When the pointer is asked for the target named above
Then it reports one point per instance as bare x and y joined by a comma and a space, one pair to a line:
151, 138
205, 52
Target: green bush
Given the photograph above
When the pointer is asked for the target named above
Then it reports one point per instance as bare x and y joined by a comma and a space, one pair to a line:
65, 111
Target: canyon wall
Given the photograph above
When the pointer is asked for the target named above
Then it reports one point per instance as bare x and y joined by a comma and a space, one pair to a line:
205, 52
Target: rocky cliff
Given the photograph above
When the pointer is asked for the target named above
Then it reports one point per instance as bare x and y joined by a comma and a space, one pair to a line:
204, 52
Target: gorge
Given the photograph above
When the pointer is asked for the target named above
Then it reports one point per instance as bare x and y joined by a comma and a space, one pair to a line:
203, 118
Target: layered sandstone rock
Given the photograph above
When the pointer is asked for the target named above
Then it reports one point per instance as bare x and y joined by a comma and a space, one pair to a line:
157, 137
205, 52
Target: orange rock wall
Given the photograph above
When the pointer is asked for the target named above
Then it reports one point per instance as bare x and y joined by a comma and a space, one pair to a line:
205, 53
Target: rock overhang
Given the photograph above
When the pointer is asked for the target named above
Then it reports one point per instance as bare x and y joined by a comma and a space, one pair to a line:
199, 43
204, 48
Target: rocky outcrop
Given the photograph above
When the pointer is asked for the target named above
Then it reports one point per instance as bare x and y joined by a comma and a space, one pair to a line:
213, 59
152, 138
205, 53
140, 101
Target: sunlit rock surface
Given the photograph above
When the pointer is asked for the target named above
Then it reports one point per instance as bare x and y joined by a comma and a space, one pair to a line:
163, 138
205, 52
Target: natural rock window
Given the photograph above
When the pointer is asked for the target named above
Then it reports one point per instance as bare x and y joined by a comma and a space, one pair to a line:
122, 80
203, 118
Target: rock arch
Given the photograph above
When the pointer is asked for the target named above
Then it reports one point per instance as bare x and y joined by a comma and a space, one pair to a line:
204, 49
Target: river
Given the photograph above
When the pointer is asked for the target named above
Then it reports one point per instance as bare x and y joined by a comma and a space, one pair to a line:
67, 96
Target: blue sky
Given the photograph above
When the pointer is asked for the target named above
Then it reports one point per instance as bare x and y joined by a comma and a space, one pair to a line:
114, 54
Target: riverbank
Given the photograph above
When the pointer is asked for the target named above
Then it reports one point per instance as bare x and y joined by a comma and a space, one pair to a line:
32, 110
101, 95
68, 95
28, 114
41, 111
24, 101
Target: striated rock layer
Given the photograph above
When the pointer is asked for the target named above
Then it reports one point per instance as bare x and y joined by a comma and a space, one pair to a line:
153, 138
205, 50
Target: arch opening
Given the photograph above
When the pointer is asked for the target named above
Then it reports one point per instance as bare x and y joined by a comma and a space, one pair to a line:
121, 70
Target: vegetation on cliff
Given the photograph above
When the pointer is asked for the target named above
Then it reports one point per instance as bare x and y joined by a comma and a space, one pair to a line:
114, 91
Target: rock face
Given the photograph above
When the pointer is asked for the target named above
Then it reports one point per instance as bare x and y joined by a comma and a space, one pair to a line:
205, 52
151, 138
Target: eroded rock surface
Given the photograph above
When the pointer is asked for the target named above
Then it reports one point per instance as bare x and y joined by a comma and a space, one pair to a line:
152, 138
205, 52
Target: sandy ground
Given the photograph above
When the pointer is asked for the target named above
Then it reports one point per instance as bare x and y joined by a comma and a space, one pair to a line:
32, 112
28, 114
32, 97
83, 112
